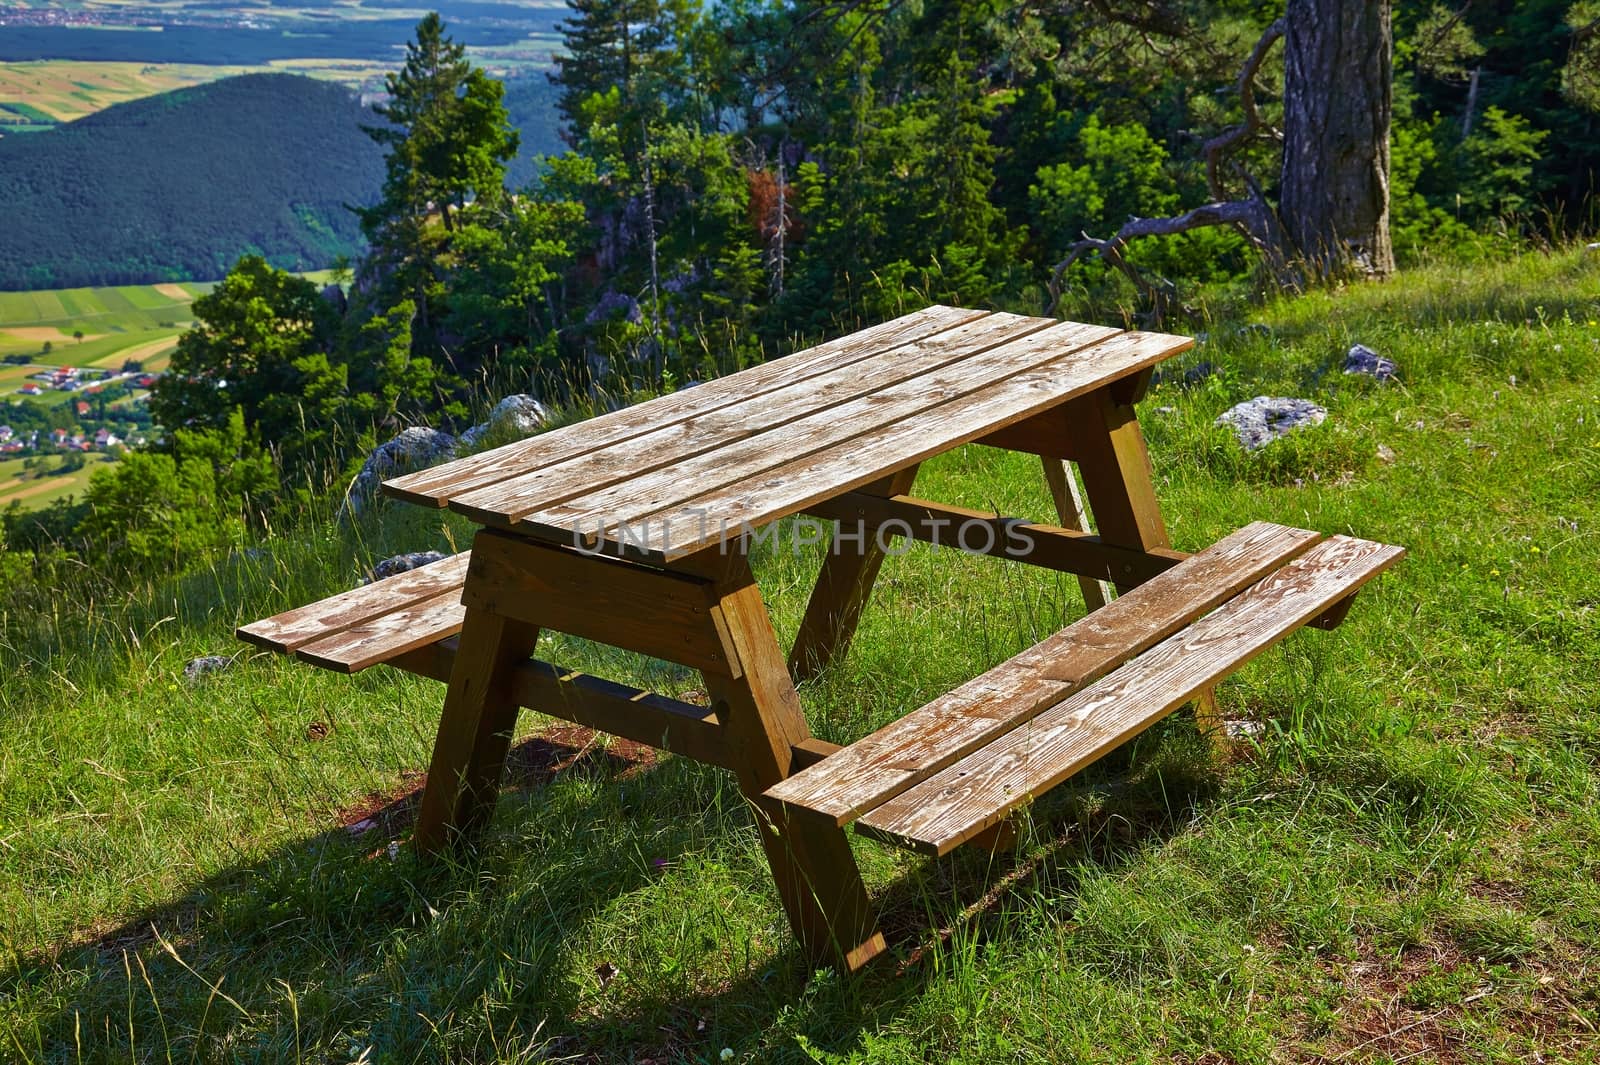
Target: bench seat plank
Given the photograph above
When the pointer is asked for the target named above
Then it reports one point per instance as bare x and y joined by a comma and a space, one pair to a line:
871, 771
434, 487
379, 639
965, 798
316, 621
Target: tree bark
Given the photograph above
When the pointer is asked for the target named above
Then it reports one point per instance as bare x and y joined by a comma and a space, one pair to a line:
1338, 100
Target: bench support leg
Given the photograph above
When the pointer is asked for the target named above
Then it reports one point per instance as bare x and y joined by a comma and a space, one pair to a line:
812, 865
848, 572
480, 712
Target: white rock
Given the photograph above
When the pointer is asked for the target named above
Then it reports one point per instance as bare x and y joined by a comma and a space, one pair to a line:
1363, 360
1257, 422
512, 419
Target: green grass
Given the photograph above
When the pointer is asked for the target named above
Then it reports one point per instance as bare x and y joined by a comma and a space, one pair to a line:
1405, 865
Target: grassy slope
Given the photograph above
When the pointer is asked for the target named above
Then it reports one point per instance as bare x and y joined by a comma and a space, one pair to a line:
1408, 862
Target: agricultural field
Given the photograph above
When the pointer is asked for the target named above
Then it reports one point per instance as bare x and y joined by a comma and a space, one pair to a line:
137, 322
125, 322
37, 95
34, 490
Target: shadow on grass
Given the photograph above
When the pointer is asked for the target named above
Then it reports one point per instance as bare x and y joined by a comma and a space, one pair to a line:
343, 940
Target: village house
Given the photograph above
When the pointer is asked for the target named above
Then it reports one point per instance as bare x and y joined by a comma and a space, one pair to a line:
82, 408
30, 390
5, 433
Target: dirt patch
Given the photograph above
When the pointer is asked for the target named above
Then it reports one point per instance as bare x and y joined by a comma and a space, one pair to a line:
173, 292
1422, 1005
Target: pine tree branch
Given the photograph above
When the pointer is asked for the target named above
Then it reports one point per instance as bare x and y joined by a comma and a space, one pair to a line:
1252, 124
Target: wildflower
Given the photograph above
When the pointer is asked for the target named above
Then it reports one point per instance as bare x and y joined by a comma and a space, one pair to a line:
727, 1054
1494, 573
1534, 550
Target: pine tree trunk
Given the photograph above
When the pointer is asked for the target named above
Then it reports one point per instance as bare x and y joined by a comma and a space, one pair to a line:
1338, 97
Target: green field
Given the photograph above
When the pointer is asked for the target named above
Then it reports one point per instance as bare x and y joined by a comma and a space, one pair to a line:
118, 323
39, 491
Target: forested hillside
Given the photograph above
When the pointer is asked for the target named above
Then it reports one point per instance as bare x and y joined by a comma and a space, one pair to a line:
738, 180
179, 186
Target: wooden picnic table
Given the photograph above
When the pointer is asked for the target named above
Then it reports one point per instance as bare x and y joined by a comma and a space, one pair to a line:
634, 529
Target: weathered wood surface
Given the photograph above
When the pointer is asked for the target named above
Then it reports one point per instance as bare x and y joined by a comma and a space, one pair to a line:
838, 425
435, 486
379, 639
665, 615
850, 462
961, 800
919, 364
767, 735
480, 713
642, 716
314, 621
869, 772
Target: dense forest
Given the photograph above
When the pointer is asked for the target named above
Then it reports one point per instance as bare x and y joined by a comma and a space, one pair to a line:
740, 177
180, 185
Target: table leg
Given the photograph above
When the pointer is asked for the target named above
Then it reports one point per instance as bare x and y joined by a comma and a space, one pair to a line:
474, 729
846, 579
1117, 478
1069, 510
1115, 465
815, 872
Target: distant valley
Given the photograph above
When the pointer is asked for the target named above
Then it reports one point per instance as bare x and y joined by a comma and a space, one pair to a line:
119, 167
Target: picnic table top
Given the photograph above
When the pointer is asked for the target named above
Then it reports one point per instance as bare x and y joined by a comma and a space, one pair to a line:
684, 471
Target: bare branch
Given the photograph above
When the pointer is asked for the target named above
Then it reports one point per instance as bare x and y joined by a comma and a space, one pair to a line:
1253, 217
1252, 124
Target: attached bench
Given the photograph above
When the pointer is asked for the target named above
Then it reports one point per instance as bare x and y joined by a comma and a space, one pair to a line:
941, 775
946, 773
410, 621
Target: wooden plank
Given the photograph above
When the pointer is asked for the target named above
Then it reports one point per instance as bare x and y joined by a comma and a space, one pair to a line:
1046, 546
665, 615
314, 621
434, 487
843, 584
1043, 434
379, 639
815, 873
480, 713
642, 716
872, 770
1068, 500
675, 489
625, 462
939, 813
777, 491
1115, 464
